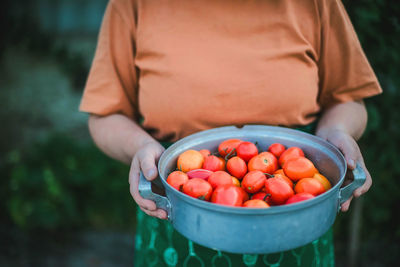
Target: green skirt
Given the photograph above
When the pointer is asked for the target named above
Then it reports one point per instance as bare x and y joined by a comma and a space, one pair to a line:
158, 244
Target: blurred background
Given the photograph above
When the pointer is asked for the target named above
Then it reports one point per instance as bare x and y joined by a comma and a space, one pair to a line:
63, 203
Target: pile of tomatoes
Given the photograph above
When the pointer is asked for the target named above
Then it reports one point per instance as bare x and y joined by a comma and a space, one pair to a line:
238, 175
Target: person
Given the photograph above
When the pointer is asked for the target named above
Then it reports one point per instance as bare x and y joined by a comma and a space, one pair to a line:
166, 69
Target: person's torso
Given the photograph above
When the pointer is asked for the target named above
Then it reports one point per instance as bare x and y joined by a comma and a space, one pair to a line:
204, 64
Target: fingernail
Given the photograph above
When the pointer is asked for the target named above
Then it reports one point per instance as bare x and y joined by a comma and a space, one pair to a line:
351, 163
151, 173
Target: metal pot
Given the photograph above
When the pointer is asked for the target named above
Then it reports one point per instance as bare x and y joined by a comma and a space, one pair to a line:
249, 230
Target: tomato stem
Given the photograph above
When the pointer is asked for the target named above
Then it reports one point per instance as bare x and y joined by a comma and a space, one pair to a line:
231, 153
266, 196
269, 175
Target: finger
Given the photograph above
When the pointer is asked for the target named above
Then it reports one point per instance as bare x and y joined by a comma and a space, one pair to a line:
159, 213
351, 153
345, 206
134, 185
367, 184
148, 166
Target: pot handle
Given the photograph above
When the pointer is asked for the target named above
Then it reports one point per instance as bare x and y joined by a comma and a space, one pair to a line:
146, 192
359, 179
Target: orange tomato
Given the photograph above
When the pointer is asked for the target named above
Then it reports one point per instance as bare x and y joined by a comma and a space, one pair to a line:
265, 162
197, 188
309, 185
291, 152
236, 167
298, 168
280, 171
323, 180
214, 163
219, 178
229, 195
235, 181
190, 160
255, 203
177, 179
227, 146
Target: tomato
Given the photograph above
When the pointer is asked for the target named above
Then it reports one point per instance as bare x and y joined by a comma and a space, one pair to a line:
262, 196
298, 168
199, 173
227, 146
255, 203
177, 179
280, 171
291, 152
279, 189
276, 149
214, 163
190, 160
299, 197
237, 167
323, 180
253, 181
197, 188
309, 185
205, 152
229, 195
245, 195
285, 178
246, 150
219, 178
235, 181
265, 162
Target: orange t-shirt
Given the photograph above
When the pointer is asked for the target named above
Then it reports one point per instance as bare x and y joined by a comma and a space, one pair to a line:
186, 66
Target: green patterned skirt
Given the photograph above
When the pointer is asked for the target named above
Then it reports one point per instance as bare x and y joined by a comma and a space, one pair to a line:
158, 244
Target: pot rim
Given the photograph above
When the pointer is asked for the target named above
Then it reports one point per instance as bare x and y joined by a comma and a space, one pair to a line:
254, 211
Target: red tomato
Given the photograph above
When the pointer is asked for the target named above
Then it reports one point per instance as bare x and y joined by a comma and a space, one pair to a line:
262, 196
245, 195
285, 178
229, 195
214, 163
279, 189
265, 162
298, 168
177, 179
246, 150
253, 181
291, 152
309, 185
199, 173
236, 167
220, 178
299, 197
205, 152
255, 203
197, 188
227, 146
276, 149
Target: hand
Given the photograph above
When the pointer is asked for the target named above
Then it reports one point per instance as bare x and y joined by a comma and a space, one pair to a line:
145, 161
348, 146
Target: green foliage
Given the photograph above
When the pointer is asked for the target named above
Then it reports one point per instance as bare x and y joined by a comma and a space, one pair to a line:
65, 184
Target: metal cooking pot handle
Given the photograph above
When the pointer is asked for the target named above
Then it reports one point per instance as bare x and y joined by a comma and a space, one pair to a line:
359, 179
146, 192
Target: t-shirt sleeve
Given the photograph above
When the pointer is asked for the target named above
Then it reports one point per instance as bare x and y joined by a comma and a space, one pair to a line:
344, 71
112, 83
